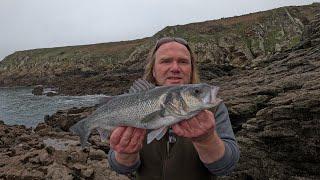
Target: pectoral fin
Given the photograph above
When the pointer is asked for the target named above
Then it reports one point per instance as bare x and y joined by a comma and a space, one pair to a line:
153, 116
156, 134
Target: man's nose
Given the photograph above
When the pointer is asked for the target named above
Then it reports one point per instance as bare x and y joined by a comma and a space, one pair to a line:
175, 68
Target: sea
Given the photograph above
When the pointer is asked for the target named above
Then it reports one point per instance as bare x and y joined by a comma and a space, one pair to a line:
18, 106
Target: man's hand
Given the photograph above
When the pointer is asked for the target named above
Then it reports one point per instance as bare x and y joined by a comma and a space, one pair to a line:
198, 128
201, 130
127, 142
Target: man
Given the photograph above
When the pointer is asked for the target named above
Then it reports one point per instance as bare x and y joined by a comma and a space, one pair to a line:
196, 148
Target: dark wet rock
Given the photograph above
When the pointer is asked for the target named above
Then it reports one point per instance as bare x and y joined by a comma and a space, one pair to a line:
64, 119
82, 171
50, 149
38, 90
97, 154
42, 127
77, 156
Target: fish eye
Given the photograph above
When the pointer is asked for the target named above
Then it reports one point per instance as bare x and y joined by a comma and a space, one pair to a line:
197, 91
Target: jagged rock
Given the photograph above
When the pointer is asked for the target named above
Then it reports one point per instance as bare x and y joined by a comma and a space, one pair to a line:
42, 127
77, 156
65, 119
44, 158
82, 170
58, 171
28, 155
278, 138
97, 154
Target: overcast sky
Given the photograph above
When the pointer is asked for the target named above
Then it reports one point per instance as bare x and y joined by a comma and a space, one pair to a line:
30, 24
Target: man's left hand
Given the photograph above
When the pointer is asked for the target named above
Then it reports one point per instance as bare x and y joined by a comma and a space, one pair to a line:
198, 128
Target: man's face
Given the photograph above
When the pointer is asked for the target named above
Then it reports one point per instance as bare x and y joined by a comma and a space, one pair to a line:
172, 64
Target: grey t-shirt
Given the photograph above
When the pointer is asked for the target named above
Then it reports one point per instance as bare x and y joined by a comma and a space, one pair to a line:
221, 167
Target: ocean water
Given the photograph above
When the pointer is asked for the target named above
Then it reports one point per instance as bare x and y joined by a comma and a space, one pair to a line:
19, 106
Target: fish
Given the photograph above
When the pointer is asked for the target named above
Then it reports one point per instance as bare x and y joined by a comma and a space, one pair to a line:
147, 106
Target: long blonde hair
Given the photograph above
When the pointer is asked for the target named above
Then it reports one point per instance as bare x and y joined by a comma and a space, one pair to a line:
148, 73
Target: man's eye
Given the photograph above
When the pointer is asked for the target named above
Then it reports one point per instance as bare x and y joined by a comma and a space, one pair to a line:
184, 62
165, 61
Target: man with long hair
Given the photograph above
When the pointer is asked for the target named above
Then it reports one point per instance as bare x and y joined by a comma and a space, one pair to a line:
196, 148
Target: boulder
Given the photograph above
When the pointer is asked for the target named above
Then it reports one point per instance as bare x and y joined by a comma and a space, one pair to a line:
38, 90
64, 119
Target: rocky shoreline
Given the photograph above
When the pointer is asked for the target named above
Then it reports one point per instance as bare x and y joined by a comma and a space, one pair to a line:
49, 152
273, 104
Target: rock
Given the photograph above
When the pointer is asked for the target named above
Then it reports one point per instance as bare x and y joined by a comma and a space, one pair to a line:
281, 132
58, 171
50, 149
30, 174
42, 128
59, 143
65, 119
38, 90
82, 170
45, 153
102, 170
77, 156
44, 158
97, 154
87, 173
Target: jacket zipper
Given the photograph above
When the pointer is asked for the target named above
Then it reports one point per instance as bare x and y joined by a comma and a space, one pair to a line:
171, 139
166, 156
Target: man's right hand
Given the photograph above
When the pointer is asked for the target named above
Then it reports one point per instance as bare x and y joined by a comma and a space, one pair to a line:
127, 142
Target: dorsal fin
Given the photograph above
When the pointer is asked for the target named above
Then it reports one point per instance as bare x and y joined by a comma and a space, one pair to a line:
141, 85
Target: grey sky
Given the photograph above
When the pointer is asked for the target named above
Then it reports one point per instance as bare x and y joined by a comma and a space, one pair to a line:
30, 24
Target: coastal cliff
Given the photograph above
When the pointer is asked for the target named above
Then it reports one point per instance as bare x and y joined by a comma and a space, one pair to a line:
109, 68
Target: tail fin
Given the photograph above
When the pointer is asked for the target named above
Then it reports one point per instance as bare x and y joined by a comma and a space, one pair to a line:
81, 130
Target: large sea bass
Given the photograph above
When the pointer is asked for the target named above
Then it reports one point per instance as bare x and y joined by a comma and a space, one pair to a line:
149, 107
